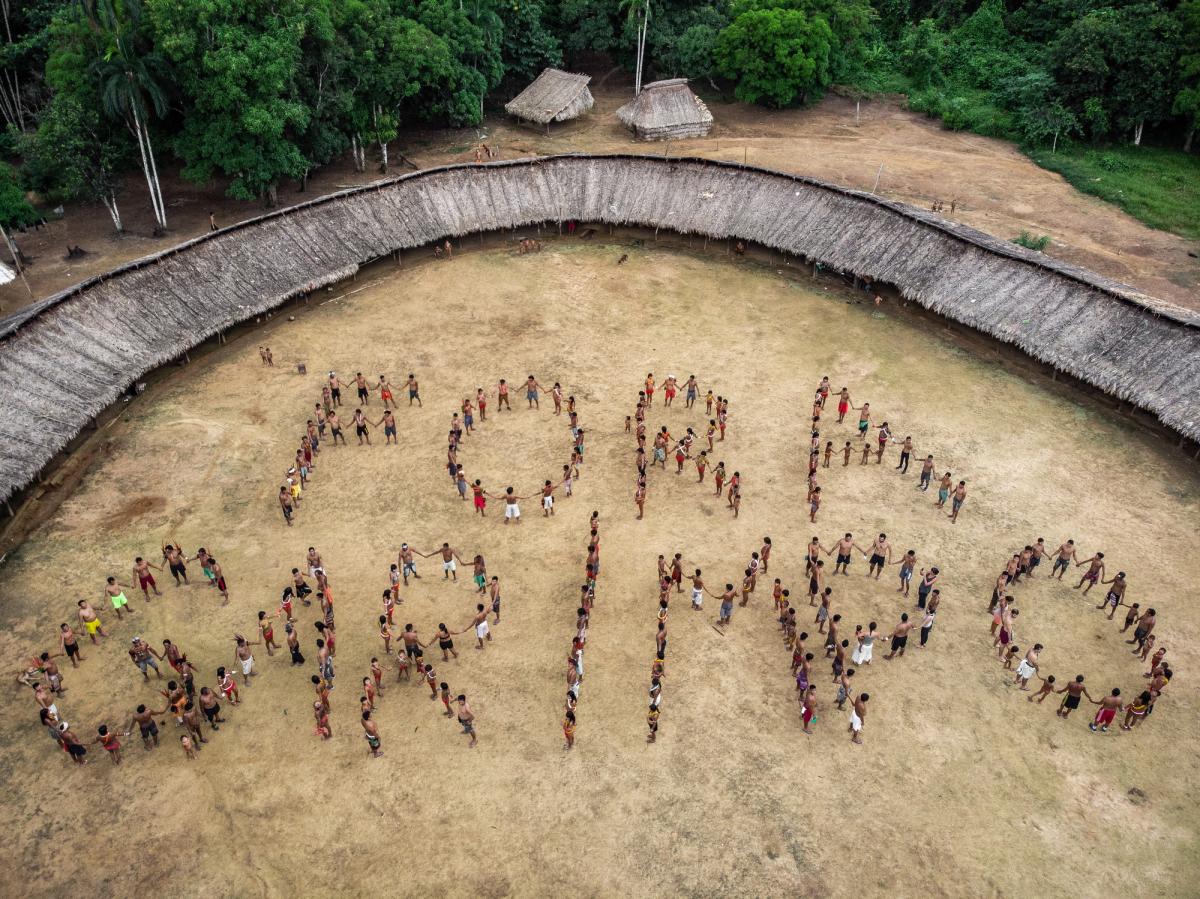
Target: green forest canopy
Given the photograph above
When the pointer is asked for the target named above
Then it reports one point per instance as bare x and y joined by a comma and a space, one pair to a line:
257, 93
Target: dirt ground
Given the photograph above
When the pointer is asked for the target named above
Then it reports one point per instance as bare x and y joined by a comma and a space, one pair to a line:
962, 787
997, 189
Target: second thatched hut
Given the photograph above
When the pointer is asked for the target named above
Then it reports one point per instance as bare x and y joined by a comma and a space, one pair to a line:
666, 110
554, 96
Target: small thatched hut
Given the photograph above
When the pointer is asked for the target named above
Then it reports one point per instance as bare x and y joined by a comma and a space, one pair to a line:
666, 110
554, 96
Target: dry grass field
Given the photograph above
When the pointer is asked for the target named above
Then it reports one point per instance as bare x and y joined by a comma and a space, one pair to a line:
961, 787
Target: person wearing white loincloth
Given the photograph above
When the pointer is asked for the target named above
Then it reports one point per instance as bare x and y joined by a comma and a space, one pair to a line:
511, 509
480, 623
450, 559
866, 646
245, 658
1028, 667
697, 590
857, 716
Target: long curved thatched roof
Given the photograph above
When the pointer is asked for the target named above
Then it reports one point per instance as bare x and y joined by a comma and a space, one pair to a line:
68, 357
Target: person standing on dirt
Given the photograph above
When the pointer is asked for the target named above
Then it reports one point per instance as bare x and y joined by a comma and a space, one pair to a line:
90, 621
480, 625
286, 505
957, 500
360, 427
900, 637
466, 717
244, 656
1145, 625
531, 392
69, 644
219, 580
141, 571
1074, 691
173, 556
858, 717
1095, 571
364, 392
371, 732
144, 718
143, 655
385, 392
335, 388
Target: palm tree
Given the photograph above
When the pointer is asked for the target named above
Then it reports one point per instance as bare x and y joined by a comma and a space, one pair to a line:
129, 86
639, 13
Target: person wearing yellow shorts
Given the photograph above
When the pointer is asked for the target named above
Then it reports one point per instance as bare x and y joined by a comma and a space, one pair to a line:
90, 621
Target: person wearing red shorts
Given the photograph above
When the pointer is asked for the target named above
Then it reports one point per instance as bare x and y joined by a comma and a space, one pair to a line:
219, 580
385, 392
1109, 706
141, 570
808, 706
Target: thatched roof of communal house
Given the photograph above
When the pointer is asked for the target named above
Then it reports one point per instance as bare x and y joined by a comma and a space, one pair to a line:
68, 357
554, 96
666, 110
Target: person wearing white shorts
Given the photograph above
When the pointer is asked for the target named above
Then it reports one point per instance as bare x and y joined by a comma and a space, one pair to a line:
856, 717
548, 503
450, 566
480, 623
512, 510
697, 597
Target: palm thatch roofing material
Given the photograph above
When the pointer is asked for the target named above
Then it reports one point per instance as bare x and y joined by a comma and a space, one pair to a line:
554, 96
65, 359
666, 110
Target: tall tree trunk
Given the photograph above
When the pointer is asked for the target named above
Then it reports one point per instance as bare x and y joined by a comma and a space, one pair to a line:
110, 203
383, 154
272, 195
1054, 144
1187, 141
13, 108
151, 175
1137, 132
10, 100
162, 207
12, 248
641, 54
137, 133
